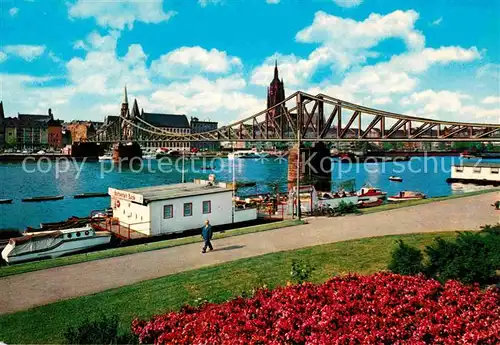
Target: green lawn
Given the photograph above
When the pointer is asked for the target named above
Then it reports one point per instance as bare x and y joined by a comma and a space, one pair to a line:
109, 253
387, 207
46, 324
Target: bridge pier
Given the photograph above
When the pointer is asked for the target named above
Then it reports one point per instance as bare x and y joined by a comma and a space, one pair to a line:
126, 152
315, 167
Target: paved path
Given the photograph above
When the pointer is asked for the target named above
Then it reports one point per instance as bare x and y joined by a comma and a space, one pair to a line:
42, 287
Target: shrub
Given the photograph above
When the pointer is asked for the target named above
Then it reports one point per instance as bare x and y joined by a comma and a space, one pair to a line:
383, 308
300, 272
406, 260
467, 259
103, 330
346, 207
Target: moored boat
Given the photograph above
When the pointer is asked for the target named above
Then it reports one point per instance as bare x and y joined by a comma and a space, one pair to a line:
90, 195
366, 193
43, 198
105, 158
406, 196
373, 202
51, 244
396, 178
5, 201
333, 200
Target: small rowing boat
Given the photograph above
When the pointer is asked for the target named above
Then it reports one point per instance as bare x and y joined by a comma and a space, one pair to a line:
91, 195
396, 179
406, 196
5, 201
43, 198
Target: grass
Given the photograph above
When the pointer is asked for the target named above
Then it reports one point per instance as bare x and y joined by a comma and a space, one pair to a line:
388, 207
109, 253
46, 324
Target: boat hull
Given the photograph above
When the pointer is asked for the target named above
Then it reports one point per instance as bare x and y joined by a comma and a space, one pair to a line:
369, 197
398, 199
66, 247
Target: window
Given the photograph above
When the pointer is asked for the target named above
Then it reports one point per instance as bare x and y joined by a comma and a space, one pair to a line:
477, 169
188, 209
168, 211
459, 169
207, 207
495, 170
78, 234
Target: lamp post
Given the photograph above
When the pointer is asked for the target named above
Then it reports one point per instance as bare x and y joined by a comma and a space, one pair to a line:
299, 124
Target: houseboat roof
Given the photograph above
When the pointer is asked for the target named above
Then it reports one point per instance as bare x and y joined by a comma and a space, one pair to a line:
173, 191
478, 165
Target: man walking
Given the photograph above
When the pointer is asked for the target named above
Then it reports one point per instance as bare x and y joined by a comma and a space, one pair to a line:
206, 233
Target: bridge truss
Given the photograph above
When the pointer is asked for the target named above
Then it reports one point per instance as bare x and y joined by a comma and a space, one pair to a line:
305, 117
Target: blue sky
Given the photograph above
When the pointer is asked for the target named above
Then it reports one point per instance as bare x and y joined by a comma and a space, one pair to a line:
214, 58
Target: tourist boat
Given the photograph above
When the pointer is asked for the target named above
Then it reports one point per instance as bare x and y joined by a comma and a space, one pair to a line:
368, 192
105, 158
396, 178
5, 201
43, 198
52, 244
246, 154
372, 202
406, 196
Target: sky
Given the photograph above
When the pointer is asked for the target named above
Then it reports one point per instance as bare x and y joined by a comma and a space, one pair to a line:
213, 59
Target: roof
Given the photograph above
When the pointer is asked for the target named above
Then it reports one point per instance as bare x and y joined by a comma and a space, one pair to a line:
166, 120
178, 190
478, 165
34, 117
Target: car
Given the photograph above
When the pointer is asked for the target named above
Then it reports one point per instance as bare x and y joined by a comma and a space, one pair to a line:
41, 152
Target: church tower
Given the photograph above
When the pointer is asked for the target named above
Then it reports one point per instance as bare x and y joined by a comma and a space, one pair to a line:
275, 95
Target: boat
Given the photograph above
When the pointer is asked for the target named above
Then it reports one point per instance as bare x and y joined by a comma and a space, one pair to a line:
406, 196
52, 244
105, 158
396, 178
90, 195
372, 202
333, 200
43, 198
244, 154
5, 201
368, 192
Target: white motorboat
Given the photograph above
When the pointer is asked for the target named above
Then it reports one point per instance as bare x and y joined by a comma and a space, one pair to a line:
244, 154
406, 196
52, 244
366, 193
333, 200
105, 158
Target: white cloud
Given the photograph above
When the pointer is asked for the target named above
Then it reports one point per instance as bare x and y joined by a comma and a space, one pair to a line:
491, 100
13, 11
437, 21
187, 61
348, 3
398, 75
26, 52
205, 3
489, 71
382, 100
3, 57
273, 2
120, 14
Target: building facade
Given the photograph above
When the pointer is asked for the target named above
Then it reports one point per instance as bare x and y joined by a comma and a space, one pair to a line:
198, 126
80, 130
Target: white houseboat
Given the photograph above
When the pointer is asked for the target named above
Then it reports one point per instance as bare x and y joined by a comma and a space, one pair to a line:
476, 173
51, 244
175, 208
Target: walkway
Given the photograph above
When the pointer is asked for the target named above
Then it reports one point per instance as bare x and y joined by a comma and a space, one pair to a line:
27, 290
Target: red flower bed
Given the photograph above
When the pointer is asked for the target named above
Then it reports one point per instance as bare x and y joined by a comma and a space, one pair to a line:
378, 309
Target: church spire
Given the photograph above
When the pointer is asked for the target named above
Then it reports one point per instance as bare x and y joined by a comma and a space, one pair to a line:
125, 97
276, 70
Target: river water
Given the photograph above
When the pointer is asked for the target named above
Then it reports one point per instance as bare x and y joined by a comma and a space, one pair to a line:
44, 178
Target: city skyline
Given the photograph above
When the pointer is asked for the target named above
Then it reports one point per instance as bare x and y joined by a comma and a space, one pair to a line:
181, 57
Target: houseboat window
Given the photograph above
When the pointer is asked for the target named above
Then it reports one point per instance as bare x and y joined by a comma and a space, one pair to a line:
86, 233
78, 234
69, 235
459, 169
207, 207
168, 211
495, 170
188, 209
477, 169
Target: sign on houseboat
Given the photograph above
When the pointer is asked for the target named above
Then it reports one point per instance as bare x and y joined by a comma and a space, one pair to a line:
124, 195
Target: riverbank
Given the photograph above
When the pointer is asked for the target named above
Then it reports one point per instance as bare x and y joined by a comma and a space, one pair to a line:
215, 284
54, 284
